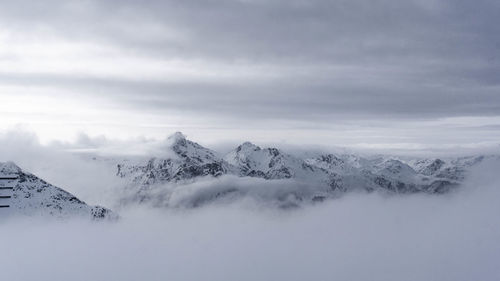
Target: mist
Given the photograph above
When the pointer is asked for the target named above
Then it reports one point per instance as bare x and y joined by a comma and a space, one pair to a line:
359, 236
90, 90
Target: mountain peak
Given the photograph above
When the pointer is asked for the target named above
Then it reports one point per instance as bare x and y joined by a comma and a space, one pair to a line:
246, 146
185, 148
9, 168
177, 137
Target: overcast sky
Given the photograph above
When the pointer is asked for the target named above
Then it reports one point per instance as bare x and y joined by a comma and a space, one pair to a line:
404, 74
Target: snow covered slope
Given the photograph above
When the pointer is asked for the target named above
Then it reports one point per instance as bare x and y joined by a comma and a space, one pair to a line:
271, 163
386, 173
318, 178
186, 160
26, 194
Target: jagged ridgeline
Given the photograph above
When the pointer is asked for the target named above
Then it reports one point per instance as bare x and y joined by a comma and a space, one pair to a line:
26, 194
303, 180
192, 175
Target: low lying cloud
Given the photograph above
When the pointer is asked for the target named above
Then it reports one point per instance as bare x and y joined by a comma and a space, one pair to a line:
229, 190
87, 168
358, 237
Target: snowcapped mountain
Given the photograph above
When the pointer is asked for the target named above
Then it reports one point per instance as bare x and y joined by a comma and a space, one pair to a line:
186, 160
183, 173
25, 193
319, 177
271, 163
384, 173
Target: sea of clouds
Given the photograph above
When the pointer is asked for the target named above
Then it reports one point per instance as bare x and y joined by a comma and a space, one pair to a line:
359, 236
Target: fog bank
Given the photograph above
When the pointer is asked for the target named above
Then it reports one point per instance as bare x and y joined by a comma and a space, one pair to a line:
357, 237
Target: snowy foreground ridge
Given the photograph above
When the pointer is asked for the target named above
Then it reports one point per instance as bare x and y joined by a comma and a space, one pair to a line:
193, 175
25, 193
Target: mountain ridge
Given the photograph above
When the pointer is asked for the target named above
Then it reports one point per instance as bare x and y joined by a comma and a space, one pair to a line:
31, 195
324, 176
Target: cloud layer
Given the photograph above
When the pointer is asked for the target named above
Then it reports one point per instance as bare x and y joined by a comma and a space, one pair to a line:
357, 237
214, 66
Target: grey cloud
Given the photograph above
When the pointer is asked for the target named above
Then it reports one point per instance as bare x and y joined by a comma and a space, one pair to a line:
334, 60
302, 99
323, 31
